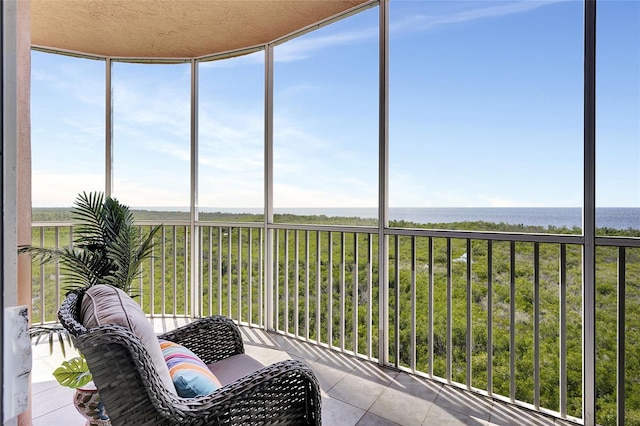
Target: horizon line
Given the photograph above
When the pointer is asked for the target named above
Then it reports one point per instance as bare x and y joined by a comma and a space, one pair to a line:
181, 208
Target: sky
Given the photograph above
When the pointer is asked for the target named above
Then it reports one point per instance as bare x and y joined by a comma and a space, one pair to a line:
485, 110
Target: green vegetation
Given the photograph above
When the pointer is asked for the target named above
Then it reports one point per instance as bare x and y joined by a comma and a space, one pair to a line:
326, 288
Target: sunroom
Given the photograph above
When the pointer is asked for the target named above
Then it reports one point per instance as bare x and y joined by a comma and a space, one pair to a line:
405, 195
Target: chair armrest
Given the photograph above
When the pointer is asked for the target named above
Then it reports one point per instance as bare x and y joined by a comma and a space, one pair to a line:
286, 392
212, 338
69, 312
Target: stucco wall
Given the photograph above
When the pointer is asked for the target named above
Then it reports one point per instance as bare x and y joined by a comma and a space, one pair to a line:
24, 149
24, 159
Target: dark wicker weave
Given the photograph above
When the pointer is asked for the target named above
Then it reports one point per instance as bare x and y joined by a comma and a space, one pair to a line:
283, 393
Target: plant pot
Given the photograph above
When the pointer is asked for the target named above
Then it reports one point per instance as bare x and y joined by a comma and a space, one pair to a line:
87, 402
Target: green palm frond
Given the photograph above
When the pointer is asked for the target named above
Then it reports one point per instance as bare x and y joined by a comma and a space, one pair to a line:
128, 251
121, 251
89, 212
41, 254
107, 248
84, 268
50, 332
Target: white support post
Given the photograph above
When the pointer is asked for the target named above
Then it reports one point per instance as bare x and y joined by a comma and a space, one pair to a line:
383, 185
268, 187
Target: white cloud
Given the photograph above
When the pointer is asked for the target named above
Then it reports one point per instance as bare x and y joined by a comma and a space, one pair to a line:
502, 202
61, 189
303, 47
136, 194
289, 195
164, 107
428, 21
79, 79
229, 191
231, 163
179, 152
230, 139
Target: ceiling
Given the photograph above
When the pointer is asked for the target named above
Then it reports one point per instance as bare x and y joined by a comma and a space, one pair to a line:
171, 28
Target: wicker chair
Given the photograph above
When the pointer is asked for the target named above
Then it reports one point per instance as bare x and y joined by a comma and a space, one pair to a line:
286, 392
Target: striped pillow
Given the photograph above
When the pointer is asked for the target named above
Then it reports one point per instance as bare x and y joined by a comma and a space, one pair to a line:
190, 375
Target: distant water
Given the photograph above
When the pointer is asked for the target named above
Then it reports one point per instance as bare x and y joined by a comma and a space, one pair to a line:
617, 218
606, 217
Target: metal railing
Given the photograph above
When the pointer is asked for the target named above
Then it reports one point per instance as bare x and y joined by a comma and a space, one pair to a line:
499, 314
325, 287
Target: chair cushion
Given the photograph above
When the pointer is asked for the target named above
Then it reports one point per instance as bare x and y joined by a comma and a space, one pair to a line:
233, 368
103, 304
190, 374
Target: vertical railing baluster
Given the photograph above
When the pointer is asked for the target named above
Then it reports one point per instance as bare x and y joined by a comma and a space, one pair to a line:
250, 278
261, 283
286, 281
430, 303
413, 304
229, 273
342, 289
490, 317
330, 287
563, 330
355, 293
306, 285
194, 279
186, 271
449, 310
469, 339
239, 273
318, 284
175, 271
296, 284
369, 295
536, 325
152, 275
220, 270
396, 303
71, 237
42, 275
621, 331
199, 235
276, 274
163, 266
512, 321
211, 270
141, 281
57, 244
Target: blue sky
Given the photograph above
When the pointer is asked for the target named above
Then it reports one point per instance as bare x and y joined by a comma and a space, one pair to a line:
485, 111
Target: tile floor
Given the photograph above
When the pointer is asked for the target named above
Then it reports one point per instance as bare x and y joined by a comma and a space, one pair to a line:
354, 392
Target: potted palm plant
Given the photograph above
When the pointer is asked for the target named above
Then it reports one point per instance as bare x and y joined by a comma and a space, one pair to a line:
108, 248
